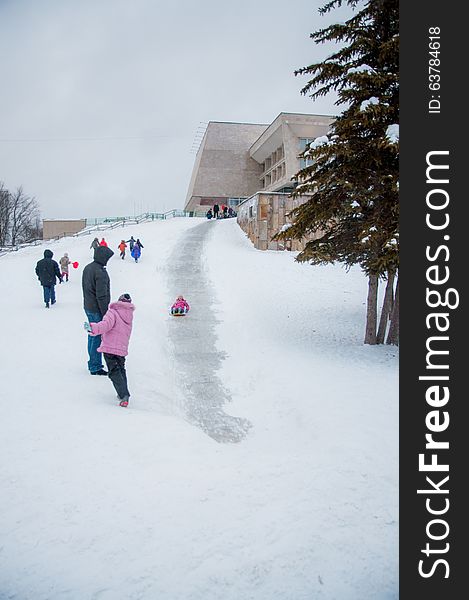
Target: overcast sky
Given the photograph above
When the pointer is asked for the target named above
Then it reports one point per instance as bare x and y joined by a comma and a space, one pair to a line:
103, 100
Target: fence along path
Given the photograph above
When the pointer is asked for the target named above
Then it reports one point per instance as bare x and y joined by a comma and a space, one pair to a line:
108, 223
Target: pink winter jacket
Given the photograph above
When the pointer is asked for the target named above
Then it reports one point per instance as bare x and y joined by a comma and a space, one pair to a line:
181, 304
115, 328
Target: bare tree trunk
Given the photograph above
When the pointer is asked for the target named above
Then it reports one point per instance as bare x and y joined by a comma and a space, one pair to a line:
393, 333
5, 210
386, 310
371, 309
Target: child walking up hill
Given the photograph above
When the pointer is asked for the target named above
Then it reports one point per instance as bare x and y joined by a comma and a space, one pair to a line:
115, 329
64, 262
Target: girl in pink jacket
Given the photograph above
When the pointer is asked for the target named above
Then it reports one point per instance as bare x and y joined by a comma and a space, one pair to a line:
115, 329
180, 306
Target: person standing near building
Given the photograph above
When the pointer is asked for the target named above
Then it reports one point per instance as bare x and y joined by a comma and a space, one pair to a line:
96, 297
47, 271
216, 210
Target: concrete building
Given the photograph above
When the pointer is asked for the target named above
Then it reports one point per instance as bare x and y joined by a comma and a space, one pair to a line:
236, 160
56, 228
278, 147
253, 168
223, 172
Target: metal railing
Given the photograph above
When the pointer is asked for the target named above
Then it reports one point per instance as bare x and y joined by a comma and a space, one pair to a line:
106, 224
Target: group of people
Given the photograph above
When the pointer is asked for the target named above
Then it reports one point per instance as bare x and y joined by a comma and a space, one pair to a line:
225, 213
109, 324
135, 247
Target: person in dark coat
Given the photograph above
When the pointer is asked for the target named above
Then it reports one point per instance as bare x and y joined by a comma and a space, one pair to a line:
139, 243
131, 242
96, 297
47, 271
216, 210
94, 244
209, 214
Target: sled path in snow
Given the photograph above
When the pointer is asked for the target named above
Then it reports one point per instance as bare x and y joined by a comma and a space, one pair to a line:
196, 358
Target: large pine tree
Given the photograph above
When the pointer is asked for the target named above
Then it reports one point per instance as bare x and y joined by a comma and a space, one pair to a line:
353, 210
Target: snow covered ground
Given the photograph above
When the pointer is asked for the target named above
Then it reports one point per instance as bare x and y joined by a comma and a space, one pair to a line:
106, 503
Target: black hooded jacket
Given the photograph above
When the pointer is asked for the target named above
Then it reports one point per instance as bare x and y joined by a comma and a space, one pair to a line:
47, 270
96, 283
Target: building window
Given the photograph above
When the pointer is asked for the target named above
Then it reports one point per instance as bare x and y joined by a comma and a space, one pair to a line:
305, 162
305, 142
303, 145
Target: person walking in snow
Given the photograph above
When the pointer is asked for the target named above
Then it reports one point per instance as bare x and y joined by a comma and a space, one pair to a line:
216, 209
180, 306
103, 242
64, 262
136, 252
96, 287
115, 329
47, 271
122, 246
139, 243
131, 242
94, 244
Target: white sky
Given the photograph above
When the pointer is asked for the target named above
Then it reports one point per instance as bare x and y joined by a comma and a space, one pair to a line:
102, 99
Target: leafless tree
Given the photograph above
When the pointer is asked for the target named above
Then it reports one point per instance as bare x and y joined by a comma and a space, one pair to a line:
23, 213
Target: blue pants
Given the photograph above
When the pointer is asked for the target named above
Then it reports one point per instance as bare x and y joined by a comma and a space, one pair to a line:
95, 362
49, 293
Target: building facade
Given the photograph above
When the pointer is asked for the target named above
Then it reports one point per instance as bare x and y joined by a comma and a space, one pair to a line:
253, 168
223, 172
278, 147
56, 228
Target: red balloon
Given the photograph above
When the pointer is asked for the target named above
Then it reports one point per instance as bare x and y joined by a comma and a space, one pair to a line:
75, 265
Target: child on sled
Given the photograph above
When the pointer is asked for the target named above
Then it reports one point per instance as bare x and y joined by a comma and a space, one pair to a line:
180, 306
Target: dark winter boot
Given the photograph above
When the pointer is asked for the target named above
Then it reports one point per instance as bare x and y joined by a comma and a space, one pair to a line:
100, 372
47, 304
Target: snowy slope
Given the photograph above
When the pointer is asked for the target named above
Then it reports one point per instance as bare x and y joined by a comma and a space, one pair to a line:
140, 503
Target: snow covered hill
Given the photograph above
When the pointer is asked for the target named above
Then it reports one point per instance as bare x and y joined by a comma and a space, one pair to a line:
258, 458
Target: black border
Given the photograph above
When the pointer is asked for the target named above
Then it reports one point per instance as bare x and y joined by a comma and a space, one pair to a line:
420, 133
